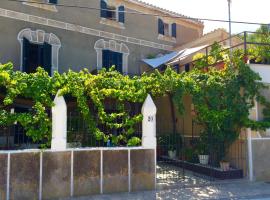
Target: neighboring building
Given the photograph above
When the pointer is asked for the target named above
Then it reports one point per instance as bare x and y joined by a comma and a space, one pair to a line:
85, 34
181, 59
89, 34
182, 56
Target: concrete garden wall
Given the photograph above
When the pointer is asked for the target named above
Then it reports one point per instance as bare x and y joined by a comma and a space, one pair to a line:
34, 174
261, 159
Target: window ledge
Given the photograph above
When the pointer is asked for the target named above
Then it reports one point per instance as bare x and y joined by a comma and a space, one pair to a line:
167, 38
42, 6
112, 23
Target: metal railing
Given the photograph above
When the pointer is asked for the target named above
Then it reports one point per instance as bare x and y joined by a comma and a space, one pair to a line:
239, 41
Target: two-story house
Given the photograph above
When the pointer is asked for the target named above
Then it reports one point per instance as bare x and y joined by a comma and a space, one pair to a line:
61, 35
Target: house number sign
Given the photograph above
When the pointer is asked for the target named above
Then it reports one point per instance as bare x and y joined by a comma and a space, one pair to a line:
150, 118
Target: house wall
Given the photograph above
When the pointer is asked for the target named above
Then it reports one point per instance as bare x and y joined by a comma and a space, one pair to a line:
260, 159
79, 29
257, 112
76, 52
184, 123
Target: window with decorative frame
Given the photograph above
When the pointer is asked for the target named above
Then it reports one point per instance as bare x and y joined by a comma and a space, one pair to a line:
167, 31
49, 5
112, 14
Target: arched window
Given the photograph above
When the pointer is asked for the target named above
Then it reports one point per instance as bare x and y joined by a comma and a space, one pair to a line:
38, 49
111, 53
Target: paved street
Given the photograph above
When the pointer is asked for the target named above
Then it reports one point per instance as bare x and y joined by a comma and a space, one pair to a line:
235, 190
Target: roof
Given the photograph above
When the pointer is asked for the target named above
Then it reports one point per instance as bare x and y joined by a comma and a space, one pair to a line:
168, 12
207, 39
216, 35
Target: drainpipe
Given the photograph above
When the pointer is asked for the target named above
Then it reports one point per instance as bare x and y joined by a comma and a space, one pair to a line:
250, 156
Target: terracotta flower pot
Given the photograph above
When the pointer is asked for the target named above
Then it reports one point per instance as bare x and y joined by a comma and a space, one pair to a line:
224, 165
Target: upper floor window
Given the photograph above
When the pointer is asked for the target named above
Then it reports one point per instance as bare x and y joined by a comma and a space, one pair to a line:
187, 67
43, 4
112, 12
166, 29
53, 1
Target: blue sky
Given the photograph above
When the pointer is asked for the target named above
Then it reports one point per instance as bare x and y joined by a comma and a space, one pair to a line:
242, 10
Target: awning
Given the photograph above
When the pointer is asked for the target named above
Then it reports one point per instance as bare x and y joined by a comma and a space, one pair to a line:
187, 52
173, 57
156, 62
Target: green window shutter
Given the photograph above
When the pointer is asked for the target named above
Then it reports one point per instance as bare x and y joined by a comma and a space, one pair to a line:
174, 30
111, 58
103, 7
25, 63
118, 61
53, 1
47, 58
160, 27
121, 14
187, 67
105, 59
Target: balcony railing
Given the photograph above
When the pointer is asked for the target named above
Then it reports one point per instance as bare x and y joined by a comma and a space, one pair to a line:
239, 41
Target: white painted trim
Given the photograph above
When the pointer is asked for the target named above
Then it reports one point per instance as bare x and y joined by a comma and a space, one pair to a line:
71, 174
254, 139
40, 175
74, 149
85, 30
250, 156
112, 23
39, 37
129, 172
101, 171
8, 177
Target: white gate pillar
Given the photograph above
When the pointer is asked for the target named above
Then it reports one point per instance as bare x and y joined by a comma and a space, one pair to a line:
149, 111
59, 124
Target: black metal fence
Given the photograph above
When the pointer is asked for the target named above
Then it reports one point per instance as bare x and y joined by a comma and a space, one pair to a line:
182, 159
80, 135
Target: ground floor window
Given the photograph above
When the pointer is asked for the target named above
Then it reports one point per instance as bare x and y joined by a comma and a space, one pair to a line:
38, 48
36, 55
111, 58
112, 53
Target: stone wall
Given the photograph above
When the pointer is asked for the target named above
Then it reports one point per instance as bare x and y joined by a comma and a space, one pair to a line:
34, 174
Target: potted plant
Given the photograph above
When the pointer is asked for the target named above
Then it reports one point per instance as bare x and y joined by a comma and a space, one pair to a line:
172, 151
169, 144
203, 153
224, 165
